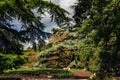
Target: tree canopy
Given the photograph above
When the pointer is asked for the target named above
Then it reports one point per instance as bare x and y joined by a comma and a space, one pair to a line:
29, 13
97, 31
93, 42
100, 25
31, 25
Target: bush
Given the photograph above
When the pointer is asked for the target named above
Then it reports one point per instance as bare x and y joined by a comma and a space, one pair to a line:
10, 61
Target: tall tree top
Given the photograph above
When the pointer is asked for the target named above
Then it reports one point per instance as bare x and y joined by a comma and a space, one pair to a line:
31, 25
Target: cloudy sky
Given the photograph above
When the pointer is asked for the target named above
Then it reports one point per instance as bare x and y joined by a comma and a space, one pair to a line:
46, 20
62, 3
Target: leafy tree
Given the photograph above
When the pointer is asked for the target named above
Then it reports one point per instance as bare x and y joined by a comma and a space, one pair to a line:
99, 23
98, 33
10, 61
82, 11
60, 51
31, 26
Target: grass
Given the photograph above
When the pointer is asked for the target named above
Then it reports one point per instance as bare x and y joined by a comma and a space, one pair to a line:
79, 70
56, 73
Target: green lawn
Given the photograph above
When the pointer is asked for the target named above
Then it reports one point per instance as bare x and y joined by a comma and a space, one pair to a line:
57, 73
78, 70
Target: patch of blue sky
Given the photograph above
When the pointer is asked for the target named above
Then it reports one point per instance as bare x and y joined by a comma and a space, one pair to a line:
49, 25
16, 25
46, 18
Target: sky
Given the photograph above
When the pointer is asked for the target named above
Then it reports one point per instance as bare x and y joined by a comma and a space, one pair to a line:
65, 4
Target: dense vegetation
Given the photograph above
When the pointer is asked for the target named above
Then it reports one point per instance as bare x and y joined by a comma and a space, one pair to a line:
101, 30
96, 36
92, 43
31, 29
11, 61
60, 50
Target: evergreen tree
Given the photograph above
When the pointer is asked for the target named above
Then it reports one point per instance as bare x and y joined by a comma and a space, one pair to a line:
60, 51
31, 26
100, 25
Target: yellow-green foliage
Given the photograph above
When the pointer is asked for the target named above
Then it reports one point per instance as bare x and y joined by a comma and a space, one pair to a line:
62, 48
31, 59
11, 61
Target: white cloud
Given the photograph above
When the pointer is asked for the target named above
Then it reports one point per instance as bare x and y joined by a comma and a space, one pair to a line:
47, 22
65, 4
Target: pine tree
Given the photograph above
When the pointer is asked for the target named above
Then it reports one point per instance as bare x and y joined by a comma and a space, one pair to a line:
31, 26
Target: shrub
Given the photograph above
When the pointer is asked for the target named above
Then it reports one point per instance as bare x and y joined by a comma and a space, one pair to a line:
10, 61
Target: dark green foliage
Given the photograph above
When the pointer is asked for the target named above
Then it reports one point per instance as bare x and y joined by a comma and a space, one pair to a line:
82, 11
10, 61
97, 31
31, 26
99, 22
